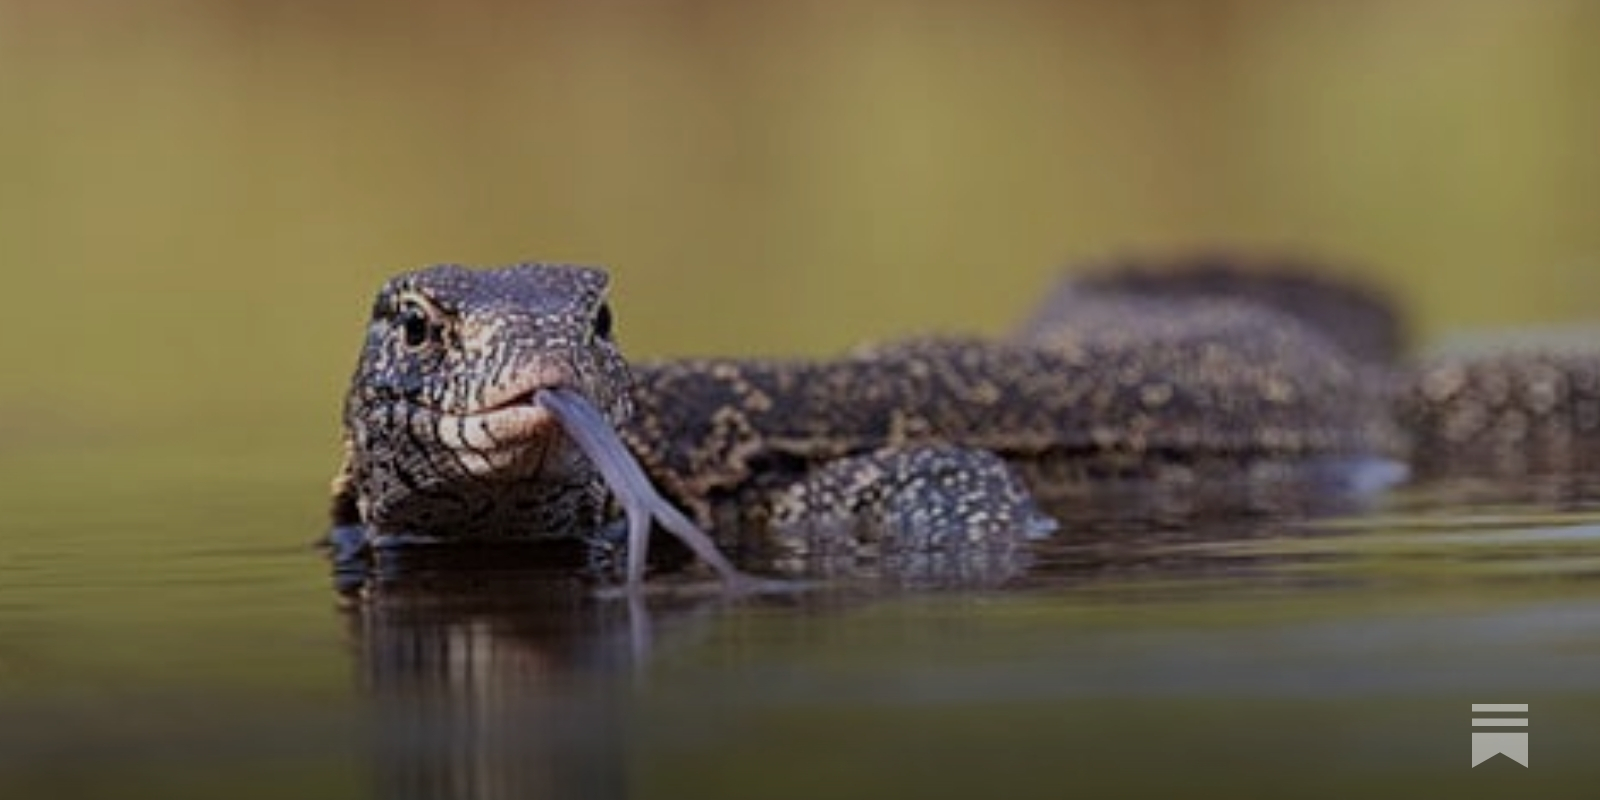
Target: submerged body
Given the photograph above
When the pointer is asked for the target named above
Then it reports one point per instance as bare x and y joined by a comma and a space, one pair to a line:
929, 443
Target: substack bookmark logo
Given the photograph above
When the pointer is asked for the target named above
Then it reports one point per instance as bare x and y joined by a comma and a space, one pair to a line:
1488, 744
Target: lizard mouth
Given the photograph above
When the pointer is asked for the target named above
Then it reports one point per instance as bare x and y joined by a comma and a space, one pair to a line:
513, 400
513, 436
512, 421
509, 434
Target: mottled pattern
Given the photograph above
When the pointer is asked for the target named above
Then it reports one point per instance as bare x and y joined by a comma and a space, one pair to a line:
901, 499
719, 433
1212, 382
716, 424
442, 436
1505, 412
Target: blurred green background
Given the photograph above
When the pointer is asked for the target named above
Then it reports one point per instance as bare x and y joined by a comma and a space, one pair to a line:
197, 198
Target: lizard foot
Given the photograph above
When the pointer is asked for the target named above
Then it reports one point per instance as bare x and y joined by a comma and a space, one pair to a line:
908, 503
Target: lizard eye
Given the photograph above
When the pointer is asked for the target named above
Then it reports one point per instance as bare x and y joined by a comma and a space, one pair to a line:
415, 324
602, 321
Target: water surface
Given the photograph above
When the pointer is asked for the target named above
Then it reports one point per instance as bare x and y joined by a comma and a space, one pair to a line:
177, 636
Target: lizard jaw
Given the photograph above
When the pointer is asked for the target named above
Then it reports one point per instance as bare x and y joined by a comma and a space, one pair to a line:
511, 440
508, 417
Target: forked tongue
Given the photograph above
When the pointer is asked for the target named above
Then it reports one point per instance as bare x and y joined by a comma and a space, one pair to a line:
593, 434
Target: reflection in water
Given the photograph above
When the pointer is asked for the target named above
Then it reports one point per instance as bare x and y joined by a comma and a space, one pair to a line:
490, 682
498, 672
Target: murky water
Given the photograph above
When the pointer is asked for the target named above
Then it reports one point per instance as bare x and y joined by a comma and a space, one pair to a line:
199, 199
199, 651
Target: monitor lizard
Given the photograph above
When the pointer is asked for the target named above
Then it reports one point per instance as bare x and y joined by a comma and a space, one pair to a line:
491, 403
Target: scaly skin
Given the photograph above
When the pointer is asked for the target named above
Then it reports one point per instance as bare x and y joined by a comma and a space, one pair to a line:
713, 430
442, 439
1514, 411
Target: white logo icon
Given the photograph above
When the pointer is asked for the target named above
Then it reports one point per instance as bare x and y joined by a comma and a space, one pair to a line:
1487, 745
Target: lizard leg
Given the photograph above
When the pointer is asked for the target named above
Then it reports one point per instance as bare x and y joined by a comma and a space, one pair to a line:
901, 502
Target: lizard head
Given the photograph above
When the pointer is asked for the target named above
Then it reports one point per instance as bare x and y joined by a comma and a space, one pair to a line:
441, 426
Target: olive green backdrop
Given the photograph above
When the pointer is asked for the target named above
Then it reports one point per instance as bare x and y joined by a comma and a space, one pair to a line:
197, 198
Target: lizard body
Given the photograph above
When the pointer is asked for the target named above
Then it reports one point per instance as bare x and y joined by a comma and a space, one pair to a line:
938, 440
